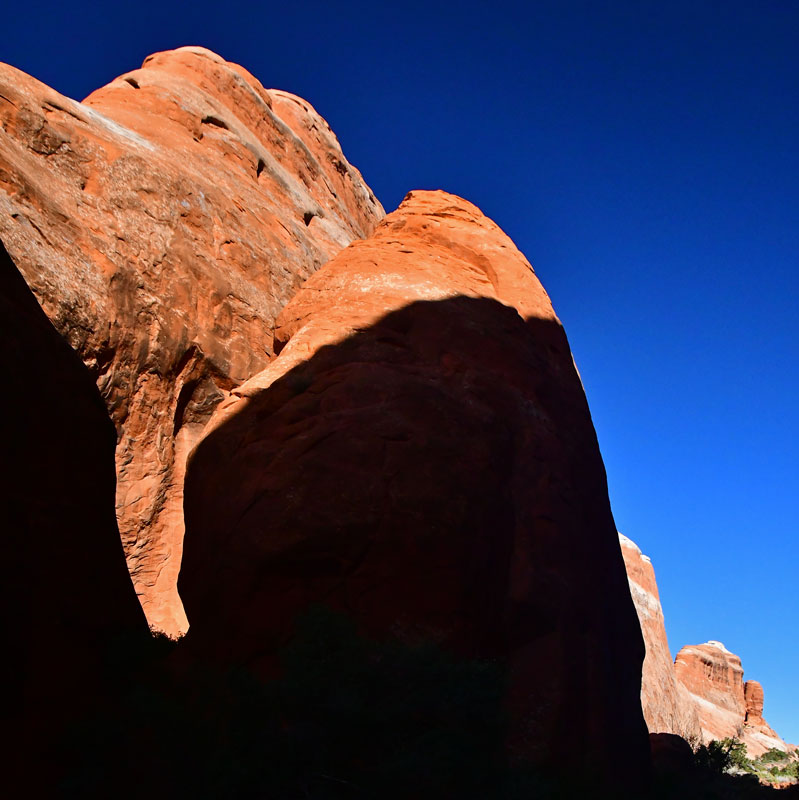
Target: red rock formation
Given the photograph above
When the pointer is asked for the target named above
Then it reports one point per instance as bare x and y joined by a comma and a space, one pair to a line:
701, 696
67, 597
163, 223
421, 457
758, 734
714, 677
753, 696
666, 704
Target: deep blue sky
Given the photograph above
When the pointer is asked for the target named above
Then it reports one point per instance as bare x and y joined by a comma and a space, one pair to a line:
644, 156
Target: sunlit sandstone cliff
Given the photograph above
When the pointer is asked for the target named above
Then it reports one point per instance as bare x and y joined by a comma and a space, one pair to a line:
700, 696
667, 706
163, 224
727, 706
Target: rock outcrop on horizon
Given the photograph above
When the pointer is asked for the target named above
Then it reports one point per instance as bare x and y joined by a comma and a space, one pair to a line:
701, 695
420, 456
163, 224
714, 677
757, 732
727, 707
67, 597
666, 704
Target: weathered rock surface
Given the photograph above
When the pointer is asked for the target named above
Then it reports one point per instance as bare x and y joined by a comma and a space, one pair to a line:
727, 708
162, 224
421, 456
67, 597
758, 734
701, 696
667, 706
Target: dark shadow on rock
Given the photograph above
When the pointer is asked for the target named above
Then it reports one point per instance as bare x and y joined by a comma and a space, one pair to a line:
67, 599
435, 477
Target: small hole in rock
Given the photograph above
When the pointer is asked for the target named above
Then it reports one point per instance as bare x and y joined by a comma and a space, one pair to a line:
133, 82
260, 168
307, 217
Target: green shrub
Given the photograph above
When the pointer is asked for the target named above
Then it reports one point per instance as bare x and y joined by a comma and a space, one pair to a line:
770, 756
719, 757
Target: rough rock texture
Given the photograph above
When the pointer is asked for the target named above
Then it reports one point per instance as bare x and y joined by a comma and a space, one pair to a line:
714, 677
666, 703
162, 224
701, 696
421, 456
67, 597
758, 734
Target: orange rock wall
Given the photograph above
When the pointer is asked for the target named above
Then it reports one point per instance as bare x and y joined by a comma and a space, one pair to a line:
163, 224
701, 696
666, 704
727, 707
420, 455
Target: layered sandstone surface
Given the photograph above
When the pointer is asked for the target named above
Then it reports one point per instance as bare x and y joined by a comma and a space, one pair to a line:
421, 456
666, 703
758, 734
714, 677
67, 597
162, 224
700, 696
727, 707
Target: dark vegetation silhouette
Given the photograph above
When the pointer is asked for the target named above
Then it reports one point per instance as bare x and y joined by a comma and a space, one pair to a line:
730, 755
718, 770
720, 756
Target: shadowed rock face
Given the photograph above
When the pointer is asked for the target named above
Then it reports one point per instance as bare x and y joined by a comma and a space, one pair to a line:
727, 707
666, 703
67, 595
421, 457
163, 223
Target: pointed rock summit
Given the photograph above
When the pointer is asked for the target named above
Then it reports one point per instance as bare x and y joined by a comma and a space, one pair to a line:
163, 223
